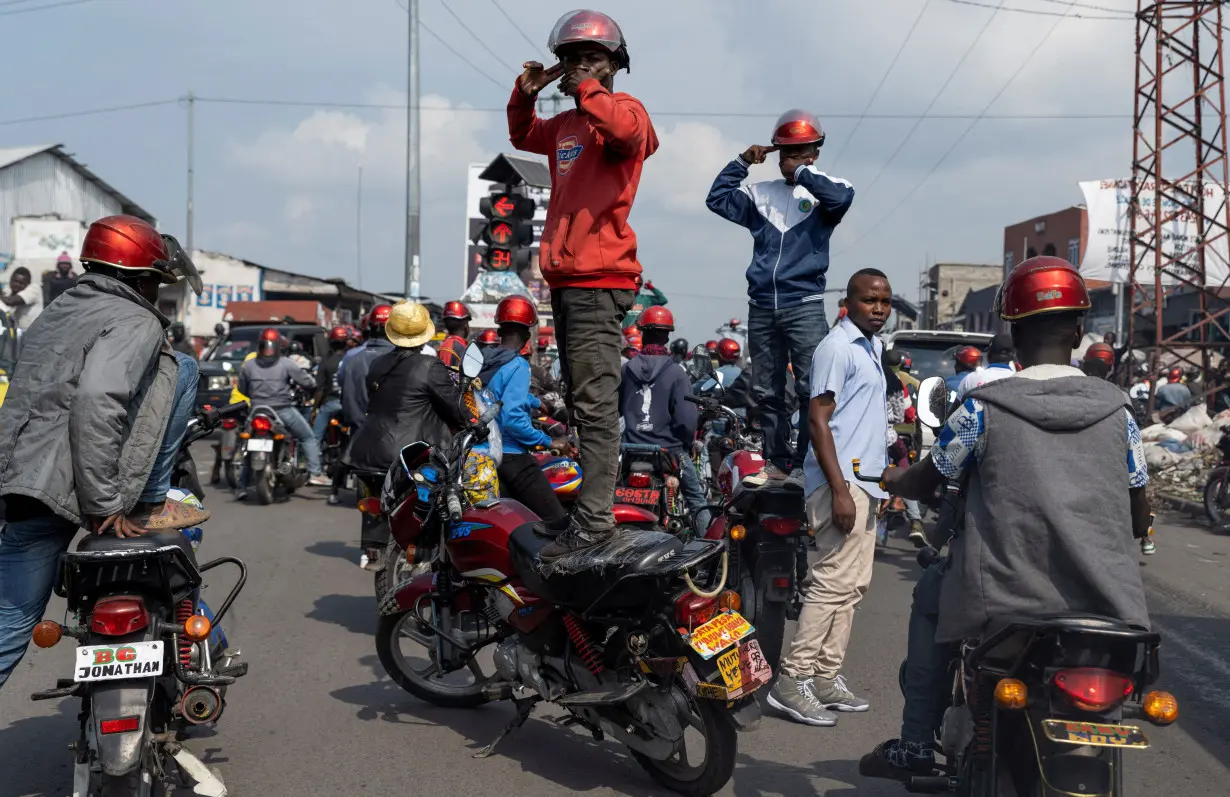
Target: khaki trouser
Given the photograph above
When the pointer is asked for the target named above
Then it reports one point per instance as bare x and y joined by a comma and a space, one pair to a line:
839, 579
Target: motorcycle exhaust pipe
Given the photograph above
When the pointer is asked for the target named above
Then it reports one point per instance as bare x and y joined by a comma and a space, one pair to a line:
201, 704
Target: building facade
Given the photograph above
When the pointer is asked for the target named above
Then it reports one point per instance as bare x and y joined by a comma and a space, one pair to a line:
944, 288
1063, 234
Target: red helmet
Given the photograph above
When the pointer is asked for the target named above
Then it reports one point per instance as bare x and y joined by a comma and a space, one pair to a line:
269, 333
968, 355
795, 127
488, 337
635, 341
1101, 352
379, 316
656, 317
632, 329
352, 331
457, 310
516, 310
338, 334
544, 342
584, 25
728, 350
711, 346
1175, 374
1042, 284
129, 244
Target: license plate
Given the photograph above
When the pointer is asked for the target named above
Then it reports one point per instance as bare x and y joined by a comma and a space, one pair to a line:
112, 662
719, 633
1094, 734
260, 445
640, 496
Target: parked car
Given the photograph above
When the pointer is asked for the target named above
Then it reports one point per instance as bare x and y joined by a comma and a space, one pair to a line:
220, 369
932, 349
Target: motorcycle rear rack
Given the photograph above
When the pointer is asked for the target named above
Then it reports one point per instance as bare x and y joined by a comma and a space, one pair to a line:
712, 549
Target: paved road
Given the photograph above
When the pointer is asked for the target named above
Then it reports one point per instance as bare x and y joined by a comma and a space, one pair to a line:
317, 716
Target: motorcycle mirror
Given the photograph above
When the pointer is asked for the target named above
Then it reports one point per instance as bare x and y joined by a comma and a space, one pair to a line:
932, 402
710, 384
472, 361
701, 361
555, 370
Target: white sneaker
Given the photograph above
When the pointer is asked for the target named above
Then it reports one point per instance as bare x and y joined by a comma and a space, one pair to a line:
795, 479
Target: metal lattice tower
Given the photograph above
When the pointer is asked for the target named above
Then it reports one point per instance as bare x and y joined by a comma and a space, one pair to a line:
1179, 146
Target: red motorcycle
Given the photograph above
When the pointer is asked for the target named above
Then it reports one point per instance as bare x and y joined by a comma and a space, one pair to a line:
766, 531
619, 635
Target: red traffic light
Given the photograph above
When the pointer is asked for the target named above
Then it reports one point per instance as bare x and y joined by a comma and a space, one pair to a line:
499, 259
503, 205
500, 232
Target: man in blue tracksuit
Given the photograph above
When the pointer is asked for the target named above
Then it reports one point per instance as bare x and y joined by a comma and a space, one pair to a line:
791, 221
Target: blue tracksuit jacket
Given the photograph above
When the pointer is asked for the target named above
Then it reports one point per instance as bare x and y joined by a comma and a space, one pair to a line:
791, 226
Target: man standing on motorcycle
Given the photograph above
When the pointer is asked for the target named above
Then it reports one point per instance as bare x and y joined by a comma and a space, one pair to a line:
268, 380
1030, 450
847, 418
358, 362
457, 325
588, 252
507, 376
791, 221
91, 425
651, 401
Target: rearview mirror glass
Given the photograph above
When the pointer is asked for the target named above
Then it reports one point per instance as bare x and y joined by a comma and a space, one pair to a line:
710, 385
472, 361
932, 404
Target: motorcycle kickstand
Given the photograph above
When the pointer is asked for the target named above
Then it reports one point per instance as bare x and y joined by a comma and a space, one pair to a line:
524, 706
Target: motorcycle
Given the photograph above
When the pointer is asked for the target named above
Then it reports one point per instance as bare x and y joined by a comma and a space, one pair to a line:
648, 493
337, 437
1039, 704
1217, 488
151, 660
271, 455
619, 635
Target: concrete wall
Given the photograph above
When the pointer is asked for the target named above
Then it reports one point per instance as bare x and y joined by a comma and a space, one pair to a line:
948, 284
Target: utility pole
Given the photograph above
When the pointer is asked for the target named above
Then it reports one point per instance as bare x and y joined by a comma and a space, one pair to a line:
191, 165
412, 153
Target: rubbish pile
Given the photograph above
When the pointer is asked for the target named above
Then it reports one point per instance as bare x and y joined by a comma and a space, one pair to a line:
1181, 453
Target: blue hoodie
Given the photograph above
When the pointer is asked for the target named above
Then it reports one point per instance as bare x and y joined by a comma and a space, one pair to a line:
791, 226
507, 376
652, 405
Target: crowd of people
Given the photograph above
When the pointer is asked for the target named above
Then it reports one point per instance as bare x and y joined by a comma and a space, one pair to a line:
100, 398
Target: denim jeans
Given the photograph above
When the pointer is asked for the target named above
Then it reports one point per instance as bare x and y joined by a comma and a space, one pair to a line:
29, 556
693, 492
181, 411
298, 427
777, 338
928, 685
912, 510
332, 408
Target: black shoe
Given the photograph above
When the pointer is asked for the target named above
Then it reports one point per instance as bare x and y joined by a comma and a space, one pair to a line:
571, 541
898, 760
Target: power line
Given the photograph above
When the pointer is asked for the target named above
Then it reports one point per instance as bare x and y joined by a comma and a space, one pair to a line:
880, 85
90, 112
1039, 12
513, 22
47, 7
957, 68
473, 35
960, 138
450, 48
1090, 6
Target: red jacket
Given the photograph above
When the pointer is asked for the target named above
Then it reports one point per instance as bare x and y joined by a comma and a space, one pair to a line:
596, 154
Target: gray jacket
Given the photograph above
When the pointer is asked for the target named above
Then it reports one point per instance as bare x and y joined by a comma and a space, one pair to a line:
1048, 523
267, 381
89, 402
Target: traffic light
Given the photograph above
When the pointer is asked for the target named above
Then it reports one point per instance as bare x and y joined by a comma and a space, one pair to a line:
508, 232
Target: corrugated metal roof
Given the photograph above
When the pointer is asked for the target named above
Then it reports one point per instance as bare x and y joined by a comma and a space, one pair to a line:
12, 155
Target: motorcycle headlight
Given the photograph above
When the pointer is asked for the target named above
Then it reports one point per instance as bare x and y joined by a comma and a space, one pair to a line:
219, 383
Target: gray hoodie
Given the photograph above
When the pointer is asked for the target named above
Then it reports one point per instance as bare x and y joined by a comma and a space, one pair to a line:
1048, 525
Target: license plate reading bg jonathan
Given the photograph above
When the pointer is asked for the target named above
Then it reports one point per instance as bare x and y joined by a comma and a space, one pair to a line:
112, 662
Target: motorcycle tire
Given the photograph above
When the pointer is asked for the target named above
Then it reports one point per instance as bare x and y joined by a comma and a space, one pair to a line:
721, 749
768, 617
130, 785
394, 561
1218, 515
388, 629
264, 486
231, 469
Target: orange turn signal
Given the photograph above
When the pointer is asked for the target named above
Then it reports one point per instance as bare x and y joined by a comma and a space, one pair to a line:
1160, 707
245, 435
334, 422
730, 601
1011, 693
411, 551
279, 437
369, 506
737, 533
197, 628
47, 634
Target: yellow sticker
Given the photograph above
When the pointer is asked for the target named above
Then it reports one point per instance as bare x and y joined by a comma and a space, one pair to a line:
710, 691
728, 665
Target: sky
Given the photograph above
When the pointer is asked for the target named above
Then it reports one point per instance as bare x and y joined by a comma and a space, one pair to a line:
278, 184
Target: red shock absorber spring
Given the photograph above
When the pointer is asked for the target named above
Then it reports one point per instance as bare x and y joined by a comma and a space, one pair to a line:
182, 613
581, 641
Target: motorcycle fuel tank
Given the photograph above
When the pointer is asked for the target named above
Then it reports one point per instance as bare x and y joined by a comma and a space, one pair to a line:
479, 543
736, 467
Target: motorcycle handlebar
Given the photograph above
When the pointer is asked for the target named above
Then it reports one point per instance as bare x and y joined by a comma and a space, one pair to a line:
862, 478
454, 507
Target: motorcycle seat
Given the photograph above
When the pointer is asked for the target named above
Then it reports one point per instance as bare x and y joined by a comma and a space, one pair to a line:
1063, 621
154, 541
106, 558
641, 467
591, 574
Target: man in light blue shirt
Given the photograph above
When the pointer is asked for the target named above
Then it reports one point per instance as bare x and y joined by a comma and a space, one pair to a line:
847, 420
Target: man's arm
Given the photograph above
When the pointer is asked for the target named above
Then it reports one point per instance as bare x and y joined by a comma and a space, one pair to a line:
515, 421
623, 123
526, 130
1138, 478
299, 376
729, 199
683, 412
445, 396
819, 416
834, 194
959, 445
114, 368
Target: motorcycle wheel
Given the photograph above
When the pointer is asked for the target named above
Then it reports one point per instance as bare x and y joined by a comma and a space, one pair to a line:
231, 470
264, 486
1216, 492
419, 682
390, 569
712, 721
768, 617
130, 785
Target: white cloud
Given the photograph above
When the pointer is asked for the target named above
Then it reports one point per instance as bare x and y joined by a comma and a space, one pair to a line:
297, 207
690, 155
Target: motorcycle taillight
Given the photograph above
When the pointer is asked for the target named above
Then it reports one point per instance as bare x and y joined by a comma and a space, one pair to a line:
262, 424
692, 610
229, 423
781, 526
117, 615
639, 480
1093, 689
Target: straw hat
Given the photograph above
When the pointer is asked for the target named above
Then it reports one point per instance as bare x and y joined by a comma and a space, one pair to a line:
409, 325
